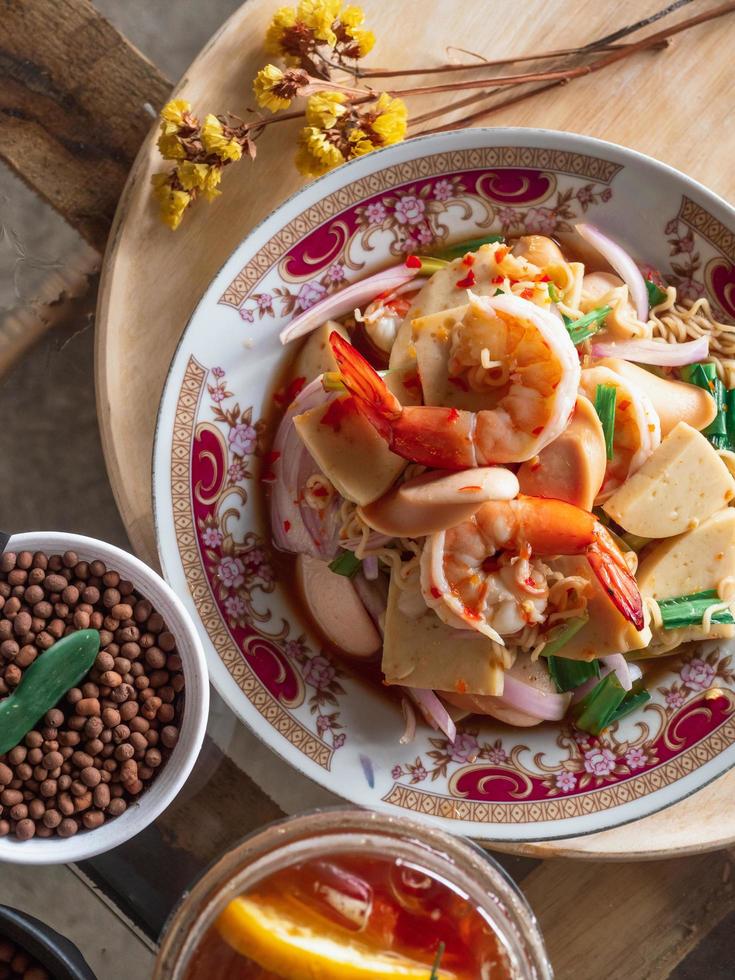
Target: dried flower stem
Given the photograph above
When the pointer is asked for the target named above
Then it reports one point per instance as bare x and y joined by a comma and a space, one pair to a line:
567, 74
602, 44
562, 77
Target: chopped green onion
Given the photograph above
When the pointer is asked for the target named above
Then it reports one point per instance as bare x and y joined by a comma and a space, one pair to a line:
459, 249
688, 610
437, 961
634, 541
634, 698
596, 709
656, 295
430, 264
730, 417
587, 325
553, 294
605, 399
568, 674
499, 292
346, 563
561, 634
332, 381
704, 375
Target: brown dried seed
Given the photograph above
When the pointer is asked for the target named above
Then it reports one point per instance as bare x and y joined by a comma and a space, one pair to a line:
25, 829
22, 623
67, 828
88, 706
54, 583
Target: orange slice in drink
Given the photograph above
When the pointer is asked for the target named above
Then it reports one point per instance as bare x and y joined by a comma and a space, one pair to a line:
295, 949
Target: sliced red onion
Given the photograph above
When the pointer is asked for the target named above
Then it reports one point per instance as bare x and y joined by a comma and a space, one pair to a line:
434, 712
409, 715
622, 263
374, 597
345, 300
617, 663
531, 701
655, 351
370, 567
297, 527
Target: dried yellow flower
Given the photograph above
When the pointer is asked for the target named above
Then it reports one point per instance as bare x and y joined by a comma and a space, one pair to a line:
201, 177
362, 43
277, 33
319, 15
391, 120
173, 112
215, 142
360, 143
170, 146
316, 154
355, 42
275, 89
323, 109
265, 89
172, 201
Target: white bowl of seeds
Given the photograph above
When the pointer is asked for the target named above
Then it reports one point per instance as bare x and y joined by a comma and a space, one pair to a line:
108, 758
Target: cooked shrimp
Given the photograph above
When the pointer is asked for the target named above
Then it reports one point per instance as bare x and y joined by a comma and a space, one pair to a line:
518, 360
470, 585
383, 317
637, 426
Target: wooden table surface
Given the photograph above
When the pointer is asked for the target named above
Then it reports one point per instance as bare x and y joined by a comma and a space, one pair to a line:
71, 126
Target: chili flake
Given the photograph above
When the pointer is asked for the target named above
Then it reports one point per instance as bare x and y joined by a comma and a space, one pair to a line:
468, 260
284, 396
413, 262
452, 415
468, 281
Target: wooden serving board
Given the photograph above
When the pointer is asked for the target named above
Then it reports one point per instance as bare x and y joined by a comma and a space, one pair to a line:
672, 104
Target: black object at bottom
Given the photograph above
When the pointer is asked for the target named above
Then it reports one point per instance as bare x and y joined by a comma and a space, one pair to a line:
58, 954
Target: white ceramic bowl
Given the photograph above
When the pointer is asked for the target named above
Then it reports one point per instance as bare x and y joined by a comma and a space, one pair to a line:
494, 782
154, 800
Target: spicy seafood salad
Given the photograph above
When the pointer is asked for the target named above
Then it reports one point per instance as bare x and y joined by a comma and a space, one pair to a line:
507, 471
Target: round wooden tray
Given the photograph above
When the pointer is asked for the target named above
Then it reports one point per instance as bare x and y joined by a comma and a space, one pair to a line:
152, 278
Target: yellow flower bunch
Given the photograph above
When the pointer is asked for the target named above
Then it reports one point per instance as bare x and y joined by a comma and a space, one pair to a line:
341, 122
297, 34
338, 131
200, 150
275, 89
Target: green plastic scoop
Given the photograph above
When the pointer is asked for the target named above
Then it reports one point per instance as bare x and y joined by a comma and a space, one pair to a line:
45, 682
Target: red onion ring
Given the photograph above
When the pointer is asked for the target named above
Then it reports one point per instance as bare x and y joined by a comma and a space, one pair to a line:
434, 712
622, 263
531, 701
655, 351
345, 300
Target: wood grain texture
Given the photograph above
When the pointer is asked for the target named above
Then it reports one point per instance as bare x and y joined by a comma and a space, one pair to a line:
152, 278
72, 116
62, 296
634, 920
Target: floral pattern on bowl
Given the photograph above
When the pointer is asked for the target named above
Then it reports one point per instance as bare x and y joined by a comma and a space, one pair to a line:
212, 455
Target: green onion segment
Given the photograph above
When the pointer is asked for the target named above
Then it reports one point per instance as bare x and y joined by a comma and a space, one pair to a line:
562, 633
688, 610
459, 249
605, 399
587, 325
656, 295
346, 563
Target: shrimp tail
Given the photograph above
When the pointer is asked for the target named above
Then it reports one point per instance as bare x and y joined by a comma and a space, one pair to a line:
609, 566
373, 397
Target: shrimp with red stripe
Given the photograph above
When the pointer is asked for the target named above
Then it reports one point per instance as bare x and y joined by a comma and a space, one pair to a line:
486, 573
514, 360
